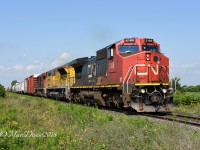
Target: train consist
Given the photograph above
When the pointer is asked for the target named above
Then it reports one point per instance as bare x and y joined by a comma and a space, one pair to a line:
131, 73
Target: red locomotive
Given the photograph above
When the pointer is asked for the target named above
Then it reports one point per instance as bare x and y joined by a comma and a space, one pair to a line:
132, 73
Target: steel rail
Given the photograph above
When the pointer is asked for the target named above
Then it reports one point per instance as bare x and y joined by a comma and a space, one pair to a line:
180, 118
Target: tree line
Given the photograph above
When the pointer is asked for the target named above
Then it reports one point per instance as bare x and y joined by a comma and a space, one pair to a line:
175, 83
191, 88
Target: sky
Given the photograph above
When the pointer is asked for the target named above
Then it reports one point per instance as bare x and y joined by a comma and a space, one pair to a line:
38, 35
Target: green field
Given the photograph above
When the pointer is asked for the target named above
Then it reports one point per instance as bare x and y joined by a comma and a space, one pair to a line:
36, 123
194, 93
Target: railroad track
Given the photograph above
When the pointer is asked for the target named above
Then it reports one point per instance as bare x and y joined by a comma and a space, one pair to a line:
175, 117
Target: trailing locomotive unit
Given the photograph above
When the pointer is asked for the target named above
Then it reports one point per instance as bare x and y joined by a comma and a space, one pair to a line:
132, 73
58, 82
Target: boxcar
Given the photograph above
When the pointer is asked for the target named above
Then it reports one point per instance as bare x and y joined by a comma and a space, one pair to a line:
31, 84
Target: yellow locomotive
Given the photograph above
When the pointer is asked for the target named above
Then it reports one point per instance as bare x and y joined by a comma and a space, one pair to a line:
57, 82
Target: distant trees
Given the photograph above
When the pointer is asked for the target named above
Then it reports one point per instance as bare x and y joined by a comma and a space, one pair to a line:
2, 91
13, 82
192, 88
175, 83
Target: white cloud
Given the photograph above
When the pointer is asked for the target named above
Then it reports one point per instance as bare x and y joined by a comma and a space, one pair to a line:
192, 67
4, 68
13, 68
37, 66
36, 61
1, 67
24, 55
18, 67
185, 66
20, 72
31, 67
189, 73
62, 59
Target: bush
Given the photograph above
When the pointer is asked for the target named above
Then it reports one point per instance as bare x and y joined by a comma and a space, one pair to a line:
185, 99
2, 91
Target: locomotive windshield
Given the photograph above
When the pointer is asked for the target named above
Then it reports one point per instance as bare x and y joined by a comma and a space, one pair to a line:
126, 50
150, 48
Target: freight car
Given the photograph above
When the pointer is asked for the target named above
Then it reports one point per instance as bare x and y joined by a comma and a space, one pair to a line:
20, 87
131, 73
30, 84
14, 87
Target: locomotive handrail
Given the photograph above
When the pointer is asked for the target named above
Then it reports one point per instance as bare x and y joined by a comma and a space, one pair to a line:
127, 77
130, 76
129, 73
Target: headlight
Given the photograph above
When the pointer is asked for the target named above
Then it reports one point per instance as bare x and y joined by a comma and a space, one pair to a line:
164, 90
142, 91
147, 56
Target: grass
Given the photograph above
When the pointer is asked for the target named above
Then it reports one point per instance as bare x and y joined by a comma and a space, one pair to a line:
188, 103
36, 123
188, 109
